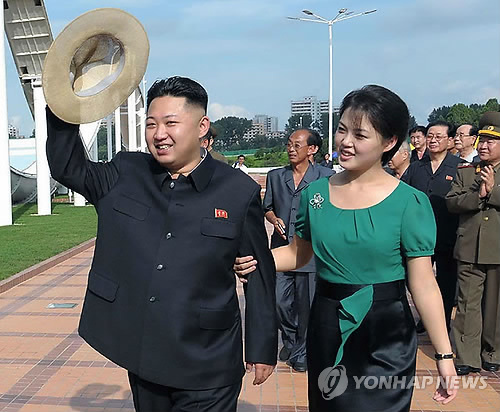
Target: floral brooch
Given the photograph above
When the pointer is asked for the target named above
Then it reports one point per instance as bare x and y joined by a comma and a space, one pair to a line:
316, 201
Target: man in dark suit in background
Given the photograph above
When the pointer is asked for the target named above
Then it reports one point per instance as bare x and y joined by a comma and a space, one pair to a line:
433, 175
161, 299
294, 290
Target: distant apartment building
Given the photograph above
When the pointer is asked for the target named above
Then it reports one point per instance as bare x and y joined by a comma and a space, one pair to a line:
13, 132
262, 125
310, 105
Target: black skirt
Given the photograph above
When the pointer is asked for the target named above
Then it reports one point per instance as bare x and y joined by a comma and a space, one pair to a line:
377, 369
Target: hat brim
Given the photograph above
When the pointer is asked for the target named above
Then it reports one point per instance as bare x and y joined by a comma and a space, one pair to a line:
56, 82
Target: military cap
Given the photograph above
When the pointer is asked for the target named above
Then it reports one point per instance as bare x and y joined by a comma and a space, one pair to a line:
489, 125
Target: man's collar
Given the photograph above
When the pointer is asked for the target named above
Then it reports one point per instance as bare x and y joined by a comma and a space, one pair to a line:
200, 175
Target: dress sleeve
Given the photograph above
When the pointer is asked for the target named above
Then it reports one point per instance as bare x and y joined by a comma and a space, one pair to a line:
302, 227
418, 228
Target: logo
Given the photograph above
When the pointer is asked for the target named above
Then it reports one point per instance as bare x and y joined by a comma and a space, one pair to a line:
316, 201
332, 382
220, 213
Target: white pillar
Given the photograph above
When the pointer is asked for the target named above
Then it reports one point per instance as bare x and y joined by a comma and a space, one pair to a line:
42, 166
5, 188
132, 135
118, 131
143, 116
109, 138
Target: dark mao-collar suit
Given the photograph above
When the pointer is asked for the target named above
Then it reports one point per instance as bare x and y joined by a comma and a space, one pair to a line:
161, 300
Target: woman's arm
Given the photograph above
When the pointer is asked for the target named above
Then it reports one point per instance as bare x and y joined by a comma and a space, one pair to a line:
286, 258
292, 256
427, 297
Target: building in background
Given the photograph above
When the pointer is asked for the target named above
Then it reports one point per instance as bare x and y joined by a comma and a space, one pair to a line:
13, 132
310, 105
264, 125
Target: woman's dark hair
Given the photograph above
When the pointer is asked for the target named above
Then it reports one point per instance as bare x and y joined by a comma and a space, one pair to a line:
385, 110
177, 86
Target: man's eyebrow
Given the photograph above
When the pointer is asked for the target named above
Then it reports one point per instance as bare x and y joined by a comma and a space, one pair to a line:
164, 117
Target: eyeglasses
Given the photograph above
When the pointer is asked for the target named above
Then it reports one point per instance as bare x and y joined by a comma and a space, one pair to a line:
296, 146
437, 137
462, 135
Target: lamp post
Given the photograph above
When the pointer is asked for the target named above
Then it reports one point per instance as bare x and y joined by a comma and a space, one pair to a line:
342, 15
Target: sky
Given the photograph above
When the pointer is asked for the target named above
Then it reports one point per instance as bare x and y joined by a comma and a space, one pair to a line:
252, 60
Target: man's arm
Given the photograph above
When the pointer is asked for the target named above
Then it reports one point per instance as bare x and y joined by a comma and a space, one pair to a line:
462, 199
69, 164
268, 205
261, 328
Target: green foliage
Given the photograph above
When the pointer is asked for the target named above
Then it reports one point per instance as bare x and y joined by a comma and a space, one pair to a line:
265, 157
102, 142
230, 131
460, 113
33, 239
295, 122
412, 123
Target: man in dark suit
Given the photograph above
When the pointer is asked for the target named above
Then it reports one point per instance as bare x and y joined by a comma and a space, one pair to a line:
434, 175
161, 299
294, 290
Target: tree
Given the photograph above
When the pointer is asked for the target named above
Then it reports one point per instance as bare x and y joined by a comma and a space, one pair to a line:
438, 114
323, 131
461, 114
297, 121
230, 131
412, 123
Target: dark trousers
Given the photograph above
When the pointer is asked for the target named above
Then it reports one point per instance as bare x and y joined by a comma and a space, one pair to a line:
294, 295
446, 277
151, 397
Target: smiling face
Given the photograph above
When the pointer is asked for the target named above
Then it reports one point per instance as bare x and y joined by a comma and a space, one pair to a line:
173, 132
359, 145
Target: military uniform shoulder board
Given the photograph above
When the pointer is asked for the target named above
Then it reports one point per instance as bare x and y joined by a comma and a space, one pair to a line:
464, 165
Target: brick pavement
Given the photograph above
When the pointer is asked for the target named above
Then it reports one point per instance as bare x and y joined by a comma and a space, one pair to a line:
47, 367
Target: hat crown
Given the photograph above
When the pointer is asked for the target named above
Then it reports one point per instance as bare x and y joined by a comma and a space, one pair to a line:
490, 119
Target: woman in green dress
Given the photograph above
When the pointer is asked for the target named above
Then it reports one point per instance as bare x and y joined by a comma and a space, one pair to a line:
364, 228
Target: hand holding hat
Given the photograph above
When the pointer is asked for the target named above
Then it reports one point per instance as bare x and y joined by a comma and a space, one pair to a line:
94, 65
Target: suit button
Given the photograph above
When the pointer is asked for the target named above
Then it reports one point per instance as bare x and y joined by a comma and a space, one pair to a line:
168, 235
159, 267
172, 185
486, 218
152, 299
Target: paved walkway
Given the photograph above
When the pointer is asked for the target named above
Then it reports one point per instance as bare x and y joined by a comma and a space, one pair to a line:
47, 367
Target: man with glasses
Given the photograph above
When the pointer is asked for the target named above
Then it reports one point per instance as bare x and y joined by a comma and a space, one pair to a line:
465, 137
417, 140
475, 196
294, 290
433, 175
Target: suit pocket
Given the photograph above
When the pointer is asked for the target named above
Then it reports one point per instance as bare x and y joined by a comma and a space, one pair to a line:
219, 228
131, 207
102, 286
217, 319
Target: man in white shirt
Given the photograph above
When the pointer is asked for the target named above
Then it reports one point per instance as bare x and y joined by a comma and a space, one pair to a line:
240, 164
465, 137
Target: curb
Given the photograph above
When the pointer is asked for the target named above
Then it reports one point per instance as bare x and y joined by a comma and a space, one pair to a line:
32, 271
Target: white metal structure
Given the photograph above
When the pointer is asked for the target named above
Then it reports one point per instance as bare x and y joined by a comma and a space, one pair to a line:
5, 183
342, 15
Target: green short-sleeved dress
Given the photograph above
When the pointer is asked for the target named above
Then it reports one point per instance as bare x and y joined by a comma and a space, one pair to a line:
365, 247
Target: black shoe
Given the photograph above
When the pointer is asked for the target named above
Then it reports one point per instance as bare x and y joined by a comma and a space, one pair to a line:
284, 354
419, 327
297, 366
466, 369
491, 367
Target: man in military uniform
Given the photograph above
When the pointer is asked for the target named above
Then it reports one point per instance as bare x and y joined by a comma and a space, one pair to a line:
475, 196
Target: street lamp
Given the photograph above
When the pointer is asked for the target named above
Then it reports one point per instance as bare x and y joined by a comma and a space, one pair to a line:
342, 15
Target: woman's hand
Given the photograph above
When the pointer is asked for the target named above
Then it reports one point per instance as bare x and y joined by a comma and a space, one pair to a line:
448, 385
243, 266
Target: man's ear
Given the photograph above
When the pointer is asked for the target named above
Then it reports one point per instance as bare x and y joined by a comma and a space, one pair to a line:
204, 126
312, 150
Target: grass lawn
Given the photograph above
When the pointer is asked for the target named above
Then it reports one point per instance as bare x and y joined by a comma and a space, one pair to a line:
32, 239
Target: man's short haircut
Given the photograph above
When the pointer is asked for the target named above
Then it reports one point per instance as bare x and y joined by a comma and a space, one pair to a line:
405, 147
474, 130
177, 86
314, 139
416, 129
241, 155
450, 129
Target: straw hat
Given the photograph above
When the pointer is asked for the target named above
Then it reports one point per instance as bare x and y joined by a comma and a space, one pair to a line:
94, 65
